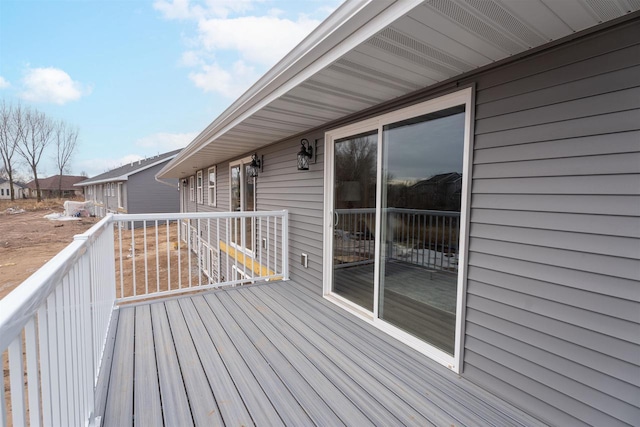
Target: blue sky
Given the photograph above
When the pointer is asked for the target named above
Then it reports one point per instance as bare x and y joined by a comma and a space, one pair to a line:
140, 78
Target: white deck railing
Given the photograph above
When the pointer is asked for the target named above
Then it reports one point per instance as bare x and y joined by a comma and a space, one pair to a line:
162, 254
55, 325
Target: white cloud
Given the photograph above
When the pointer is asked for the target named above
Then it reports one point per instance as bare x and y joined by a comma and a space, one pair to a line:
235, 41
163, 141
186, 9
4, 83
176, 9
191, 58
258, 39
98, 166
51, 85
230, 83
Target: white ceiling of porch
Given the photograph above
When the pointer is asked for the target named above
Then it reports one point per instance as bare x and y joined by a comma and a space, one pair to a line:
433, 42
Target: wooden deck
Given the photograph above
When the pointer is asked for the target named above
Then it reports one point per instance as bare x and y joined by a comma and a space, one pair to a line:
279, 354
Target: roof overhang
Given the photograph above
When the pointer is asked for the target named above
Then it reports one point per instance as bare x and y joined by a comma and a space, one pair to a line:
372, 51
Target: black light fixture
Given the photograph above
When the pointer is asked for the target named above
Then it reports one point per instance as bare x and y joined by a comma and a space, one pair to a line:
184, 183
304, 155
255, 165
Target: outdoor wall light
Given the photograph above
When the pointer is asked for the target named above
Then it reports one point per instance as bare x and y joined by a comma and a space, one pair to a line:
255, 165
184, 183
305, 154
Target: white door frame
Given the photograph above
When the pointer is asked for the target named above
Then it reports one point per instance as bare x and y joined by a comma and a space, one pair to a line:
462, 97
243, 180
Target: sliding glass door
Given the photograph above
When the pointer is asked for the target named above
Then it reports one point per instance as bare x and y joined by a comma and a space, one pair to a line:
354, 204
397, 207
421, 200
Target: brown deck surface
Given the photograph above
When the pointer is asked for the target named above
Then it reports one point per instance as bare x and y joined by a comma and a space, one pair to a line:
279, 354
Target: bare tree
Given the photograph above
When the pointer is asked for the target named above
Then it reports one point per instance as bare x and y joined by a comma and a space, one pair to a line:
37, 135
11, 129
66, 141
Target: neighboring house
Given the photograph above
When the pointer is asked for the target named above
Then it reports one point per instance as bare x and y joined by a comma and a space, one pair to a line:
525, 279
51, 187
5, 189
132, 188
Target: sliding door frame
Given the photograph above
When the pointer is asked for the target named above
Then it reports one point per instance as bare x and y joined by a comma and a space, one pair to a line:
461, 97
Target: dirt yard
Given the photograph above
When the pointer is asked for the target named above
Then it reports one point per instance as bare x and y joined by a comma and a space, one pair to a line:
28, 240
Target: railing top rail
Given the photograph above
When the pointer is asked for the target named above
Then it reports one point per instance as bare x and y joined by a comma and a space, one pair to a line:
196, 215
399, 210
23, 302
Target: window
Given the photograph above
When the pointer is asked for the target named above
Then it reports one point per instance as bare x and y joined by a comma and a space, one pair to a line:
120, 195
212, 186
200, 189
192, 190
1, 191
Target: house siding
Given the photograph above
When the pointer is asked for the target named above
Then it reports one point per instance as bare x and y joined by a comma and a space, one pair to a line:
552, 314
146, 195
552, 302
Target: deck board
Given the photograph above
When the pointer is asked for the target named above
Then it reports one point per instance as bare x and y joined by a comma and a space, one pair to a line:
230, 336
223, 378
469, 404
321, 393
379, 391
202, 402
280, 354
119, 407
148, 407
175, 404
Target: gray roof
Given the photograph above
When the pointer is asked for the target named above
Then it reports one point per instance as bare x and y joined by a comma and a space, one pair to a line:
122, 173
15, 183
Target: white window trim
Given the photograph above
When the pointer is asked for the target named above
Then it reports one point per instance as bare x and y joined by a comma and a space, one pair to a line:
212, 195
192, 189
200, 187
466, 97
241, 163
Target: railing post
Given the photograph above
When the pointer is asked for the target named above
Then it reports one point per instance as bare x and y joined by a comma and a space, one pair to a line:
285, 245
90, 327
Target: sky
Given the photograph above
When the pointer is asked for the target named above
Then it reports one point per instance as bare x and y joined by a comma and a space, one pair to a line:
139, 77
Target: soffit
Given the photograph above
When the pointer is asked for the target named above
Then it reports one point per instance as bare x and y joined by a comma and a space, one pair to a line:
432, 42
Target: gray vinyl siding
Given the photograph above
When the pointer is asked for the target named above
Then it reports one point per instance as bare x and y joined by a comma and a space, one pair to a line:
283, 186
146, 195
552, 314
552, 319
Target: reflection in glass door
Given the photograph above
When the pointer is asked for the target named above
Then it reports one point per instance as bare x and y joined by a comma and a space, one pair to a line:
242, 188
422, 166
236, 204
354, 203
249, 205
